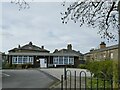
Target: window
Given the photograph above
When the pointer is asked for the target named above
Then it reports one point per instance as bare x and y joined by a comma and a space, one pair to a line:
14, 60
30, 60
60, 60
24, 59
55, 60
71, 60
65, 60
19, 59
111, 55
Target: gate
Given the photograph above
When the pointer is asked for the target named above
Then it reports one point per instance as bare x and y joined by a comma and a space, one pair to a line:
83, 82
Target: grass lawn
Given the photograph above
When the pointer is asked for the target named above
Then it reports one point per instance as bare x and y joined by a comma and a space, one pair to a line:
98, 83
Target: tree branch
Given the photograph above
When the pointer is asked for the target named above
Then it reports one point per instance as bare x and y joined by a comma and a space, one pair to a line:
111, 9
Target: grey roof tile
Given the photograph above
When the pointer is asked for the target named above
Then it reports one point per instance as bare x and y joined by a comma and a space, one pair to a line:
29, 47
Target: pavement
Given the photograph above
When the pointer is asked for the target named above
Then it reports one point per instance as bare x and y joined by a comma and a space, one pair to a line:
40, 78
26, 78
57, 72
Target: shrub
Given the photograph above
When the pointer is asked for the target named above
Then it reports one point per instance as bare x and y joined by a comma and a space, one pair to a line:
19, 66
23, 66
69, 66
29, 65
13, 66
7, 66
101, 68
82, 66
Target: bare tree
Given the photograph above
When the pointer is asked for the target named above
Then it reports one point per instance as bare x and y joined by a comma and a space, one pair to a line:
96, 14
102, 14
22, 4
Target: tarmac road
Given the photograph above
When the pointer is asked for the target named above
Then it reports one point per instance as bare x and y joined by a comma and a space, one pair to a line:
26, 79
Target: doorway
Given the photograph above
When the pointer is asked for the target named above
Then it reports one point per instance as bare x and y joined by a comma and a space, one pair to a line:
43, 63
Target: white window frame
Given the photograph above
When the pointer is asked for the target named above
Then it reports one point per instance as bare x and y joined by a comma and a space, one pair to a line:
71, 62
66, 60
111, 55
14, 60
61, 58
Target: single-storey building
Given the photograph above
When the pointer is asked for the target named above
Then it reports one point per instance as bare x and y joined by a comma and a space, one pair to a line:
41, 57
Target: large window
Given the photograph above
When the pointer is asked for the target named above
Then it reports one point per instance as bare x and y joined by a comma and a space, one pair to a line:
55, 60
25, 59
111, 55
71, 60
30, 60
63, 60
14, 60
60, 60
22, 59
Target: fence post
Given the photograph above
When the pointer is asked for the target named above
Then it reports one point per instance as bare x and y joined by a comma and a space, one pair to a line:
65, 76
85, 80
91, 81
61, 82
69, 77
97, 83
111, 81
104, 83
75, 82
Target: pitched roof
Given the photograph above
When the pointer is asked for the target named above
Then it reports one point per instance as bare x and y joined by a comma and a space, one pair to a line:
41, 54
67, 51
104, 49
107, 48
29, 47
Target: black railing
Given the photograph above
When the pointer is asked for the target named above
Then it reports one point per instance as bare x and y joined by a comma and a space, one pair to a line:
82, 81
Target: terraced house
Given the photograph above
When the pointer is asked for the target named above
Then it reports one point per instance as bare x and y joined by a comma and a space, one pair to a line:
41, 57
103, 53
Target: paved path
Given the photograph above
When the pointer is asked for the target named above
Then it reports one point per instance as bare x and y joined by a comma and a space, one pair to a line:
57, 72
26, 79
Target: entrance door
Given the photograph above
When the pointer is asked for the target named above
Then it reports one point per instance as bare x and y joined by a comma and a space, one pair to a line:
43, 63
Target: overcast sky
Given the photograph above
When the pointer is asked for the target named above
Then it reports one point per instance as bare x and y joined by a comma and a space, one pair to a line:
41, 24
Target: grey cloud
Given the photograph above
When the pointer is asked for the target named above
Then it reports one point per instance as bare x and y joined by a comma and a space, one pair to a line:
41, 24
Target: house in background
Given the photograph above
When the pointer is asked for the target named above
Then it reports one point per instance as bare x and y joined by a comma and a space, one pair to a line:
103, 53
67, 56
40, 57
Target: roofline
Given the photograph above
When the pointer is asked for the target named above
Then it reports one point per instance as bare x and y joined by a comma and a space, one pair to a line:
103, 49
42, 54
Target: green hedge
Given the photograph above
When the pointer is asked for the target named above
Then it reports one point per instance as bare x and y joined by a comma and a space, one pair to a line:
82, 66
101, 69
107, 69
6, 65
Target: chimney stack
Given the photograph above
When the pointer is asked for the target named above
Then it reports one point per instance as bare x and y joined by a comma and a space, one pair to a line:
56, 50
30, 43
42, 47
69, 47
18, 46
102, 45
